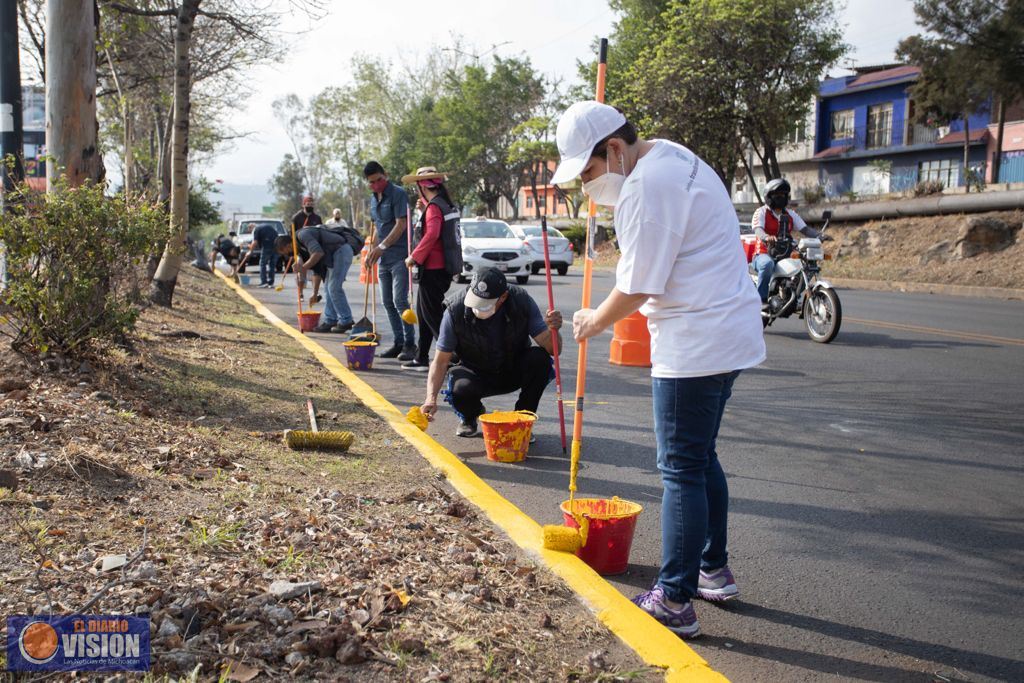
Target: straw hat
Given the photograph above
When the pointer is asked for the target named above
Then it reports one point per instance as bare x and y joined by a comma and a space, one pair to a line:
424, 173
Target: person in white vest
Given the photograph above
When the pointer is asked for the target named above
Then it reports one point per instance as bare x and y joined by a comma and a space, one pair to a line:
683, 267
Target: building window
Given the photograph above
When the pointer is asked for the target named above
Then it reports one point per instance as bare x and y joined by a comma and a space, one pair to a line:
842, 124
799, 133
946, 171
880, 125
529, 201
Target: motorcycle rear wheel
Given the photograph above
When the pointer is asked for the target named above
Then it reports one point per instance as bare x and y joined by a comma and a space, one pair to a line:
823, 315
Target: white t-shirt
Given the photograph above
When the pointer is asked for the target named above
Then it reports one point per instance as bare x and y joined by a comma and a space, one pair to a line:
680, 243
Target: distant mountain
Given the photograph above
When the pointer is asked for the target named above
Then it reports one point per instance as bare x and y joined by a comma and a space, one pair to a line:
236, 198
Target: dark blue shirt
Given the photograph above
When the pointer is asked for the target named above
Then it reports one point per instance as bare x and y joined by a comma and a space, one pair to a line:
264, 236
493, 326
386, 210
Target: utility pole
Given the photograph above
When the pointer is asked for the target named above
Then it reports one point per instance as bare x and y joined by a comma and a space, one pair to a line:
71, 134
12, 137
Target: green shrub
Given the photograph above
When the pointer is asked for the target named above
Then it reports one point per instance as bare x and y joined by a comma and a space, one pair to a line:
576, 233
74, 260
812, 194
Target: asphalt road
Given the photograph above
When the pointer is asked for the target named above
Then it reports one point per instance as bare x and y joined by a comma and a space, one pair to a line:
877, 515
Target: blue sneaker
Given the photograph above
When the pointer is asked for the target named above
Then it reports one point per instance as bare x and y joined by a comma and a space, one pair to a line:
682, 621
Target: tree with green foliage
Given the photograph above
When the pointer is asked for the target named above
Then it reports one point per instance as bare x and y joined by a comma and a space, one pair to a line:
532, 149
288, 185
476, 117
724, 73
950, 87
990, 33
202, 210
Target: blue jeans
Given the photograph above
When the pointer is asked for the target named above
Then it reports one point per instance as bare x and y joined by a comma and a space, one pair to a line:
336, 308
394, 294
765, 267
695, 502
268, 266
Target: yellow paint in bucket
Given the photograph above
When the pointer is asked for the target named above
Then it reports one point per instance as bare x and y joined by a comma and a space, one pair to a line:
507, 434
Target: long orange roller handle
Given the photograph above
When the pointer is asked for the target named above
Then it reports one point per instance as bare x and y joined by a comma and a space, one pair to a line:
588, 272
295, 261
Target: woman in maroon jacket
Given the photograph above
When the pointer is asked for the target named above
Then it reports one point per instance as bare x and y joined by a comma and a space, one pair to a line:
436, 258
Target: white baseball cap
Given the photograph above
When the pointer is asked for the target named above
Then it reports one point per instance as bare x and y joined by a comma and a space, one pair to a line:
582, 126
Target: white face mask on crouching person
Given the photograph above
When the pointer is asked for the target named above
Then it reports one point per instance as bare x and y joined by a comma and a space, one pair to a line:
484, 313
605, 189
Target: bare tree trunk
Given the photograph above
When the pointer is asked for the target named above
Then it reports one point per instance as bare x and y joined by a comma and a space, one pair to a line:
71, 126
967, 153
997, 160
536, 197
166, 276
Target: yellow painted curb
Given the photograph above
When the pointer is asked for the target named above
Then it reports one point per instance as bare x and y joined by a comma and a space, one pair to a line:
655, 644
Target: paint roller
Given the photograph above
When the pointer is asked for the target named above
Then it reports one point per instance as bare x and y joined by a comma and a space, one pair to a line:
557, 537
409, 314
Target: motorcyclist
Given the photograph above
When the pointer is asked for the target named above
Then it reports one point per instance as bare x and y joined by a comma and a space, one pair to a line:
765, 223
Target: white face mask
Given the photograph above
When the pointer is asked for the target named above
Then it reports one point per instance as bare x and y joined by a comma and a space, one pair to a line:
484, 315
605, 189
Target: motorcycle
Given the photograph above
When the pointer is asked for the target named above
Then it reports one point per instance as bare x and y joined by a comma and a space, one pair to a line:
796, 287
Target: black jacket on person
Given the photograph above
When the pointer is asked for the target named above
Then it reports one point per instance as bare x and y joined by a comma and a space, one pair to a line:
472, 344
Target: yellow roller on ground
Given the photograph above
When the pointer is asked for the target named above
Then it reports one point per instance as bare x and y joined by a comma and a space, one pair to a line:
314, 439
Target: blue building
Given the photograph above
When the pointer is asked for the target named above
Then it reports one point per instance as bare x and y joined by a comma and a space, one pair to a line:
867, 142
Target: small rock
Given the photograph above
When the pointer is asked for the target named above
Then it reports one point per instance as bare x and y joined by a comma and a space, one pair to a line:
361, 617
168, 628
84, 368
179, 661
12, 384
285, 590
23, 461
9, 479
413, 646
278, 615
86, 555
294, 658
102, 396
937, 252
979, 235
17, 395
350, 652
544, 620
145, 570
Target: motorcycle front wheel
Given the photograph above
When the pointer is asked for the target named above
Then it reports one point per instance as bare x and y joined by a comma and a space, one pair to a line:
823, 315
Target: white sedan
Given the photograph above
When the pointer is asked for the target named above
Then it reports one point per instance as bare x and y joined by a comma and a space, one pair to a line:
490, 243
559, 248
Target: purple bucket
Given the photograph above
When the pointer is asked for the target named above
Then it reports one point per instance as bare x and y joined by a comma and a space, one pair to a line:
359, 354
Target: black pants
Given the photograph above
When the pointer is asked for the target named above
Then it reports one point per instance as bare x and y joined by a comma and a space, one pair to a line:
530, 373
433, 286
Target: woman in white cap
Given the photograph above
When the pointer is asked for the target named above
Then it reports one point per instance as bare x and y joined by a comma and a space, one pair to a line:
683, 267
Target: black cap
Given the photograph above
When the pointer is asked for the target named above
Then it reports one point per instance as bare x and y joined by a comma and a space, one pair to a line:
487, 285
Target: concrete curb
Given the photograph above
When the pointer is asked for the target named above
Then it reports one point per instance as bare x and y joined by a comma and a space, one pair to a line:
929, 288
653, 643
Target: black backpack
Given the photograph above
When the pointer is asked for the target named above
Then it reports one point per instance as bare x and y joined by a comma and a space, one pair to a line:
351, 235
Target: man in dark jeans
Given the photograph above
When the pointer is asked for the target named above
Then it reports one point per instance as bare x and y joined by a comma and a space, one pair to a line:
330, 255
263, 240
388, 207
489, 325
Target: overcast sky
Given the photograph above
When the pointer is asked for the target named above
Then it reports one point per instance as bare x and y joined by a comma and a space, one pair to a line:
553, 33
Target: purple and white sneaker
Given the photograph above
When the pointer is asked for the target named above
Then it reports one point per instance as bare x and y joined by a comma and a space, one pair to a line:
717, 585
682, 622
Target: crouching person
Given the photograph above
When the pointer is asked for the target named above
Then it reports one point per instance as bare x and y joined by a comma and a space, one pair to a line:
488, 327
328, 255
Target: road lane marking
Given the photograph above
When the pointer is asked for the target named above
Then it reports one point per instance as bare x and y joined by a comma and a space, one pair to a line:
971, 336
653, 643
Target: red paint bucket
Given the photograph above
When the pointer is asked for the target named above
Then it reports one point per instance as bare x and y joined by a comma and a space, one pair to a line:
308, 320
359, 354
507, 434
611, 523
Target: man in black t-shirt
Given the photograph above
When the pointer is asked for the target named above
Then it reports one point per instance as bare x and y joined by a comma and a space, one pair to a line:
307, 217
263, 243
229, 250
329, 254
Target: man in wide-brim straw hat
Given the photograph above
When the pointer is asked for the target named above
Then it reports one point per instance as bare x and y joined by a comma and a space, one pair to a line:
436, 259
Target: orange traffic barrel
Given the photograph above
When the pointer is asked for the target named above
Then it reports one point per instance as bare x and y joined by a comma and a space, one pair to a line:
631, 342
364, 275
